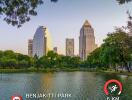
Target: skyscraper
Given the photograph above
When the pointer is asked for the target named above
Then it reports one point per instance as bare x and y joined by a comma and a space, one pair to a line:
41, 42
70, 47
30, 47
86, 40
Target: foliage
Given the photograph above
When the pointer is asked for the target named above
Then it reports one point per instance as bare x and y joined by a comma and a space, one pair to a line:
129, 22
123, 1
54, 60
17, 12
115, 51
9, 59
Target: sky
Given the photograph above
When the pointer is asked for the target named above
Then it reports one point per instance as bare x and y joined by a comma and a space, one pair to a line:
64, 19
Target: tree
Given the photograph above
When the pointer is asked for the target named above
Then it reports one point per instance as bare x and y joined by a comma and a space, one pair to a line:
10, 59
24, 64
17, 12
24, 61
129, 22
11, 63
44, 62
1, 54
117, 49
2, 63
95, 59
9, 54
36, 61
75, 61
52, 56
123, 1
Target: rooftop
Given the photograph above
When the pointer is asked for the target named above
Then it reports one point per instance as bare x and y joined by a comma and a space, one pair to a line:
86, 23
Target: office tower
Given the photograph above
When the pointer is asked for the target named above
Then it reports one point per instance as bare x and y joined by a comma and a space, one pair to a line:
30, 47
55, 49
70, 47
41, 42
86, 40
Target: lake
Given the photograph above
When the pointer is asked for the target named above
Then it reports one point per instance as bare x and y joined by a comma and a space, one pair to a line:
76, 85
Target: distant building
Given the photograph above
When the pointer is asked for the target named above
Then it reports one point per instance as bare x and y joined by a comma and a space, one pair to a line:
130, 29
41, 42
69, 47
130, 33
86, 40
55, 49
30, 47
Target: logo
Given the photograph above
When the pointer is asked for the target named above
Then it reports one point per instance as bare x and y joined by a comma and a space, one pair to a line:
16, 98
113, 87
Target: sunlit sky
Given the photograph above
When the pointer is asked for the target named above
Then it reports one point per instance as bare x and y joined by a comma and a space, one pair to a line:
64, 20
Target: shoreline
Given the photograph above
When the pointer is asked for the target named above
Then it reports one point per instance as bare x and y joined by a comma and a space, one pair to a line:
4, 71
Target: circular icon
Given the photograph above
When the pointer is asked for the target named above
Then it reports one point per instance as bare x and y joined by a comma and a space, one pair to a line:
16, 98
113, 86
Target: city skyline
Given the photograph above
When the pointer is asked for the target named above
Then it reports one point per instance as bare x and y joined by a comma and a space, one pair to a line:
64, 19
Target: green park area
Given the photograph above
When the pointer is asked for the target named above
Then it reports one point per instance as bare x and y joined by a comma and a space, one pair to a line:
113, 56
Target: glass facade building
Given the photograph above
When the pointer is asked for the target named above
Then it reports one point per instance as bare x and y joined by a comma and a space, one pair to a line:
41, 42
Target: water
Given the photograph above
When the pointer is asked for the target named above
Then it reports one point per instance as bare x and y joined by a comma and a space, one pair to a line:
81, 85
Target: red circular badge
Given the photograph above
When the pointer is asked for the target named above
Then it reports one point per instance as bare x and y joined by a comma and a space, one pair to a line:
112, 81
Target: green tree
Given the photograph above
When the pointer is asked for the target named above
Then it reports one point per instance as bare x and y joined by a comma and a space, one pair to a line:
9, 54
129, 22
114, 52
51, 59
65, 61
1, 54
24, 61
123, 1
52, 56
44, 62
17, 12
36, 61
117, 49
75, 62
11, 63
24, 64
48, 61
10, 59
94, 59
2, 63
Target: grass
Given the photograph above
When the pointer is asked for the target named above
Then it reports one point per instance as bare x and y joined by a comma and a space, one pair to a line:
37, 70
63, 69
119, 73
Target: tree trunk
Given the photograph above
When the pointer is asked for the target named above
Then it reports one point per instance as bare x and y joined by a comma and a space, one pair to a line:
127, 66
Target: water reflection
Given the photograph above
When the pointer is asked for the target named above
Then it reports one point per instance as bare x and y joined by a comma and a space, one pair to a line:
81, 85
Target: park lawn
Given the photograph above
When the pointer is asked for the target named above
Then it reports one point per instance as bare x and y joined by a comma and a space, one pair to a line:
42, 70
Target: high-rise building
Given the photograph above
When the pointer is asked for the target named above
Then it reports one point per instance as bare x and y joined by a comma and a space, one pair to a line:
69, 47
41, 42
55, 49
86, 40
30, 47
